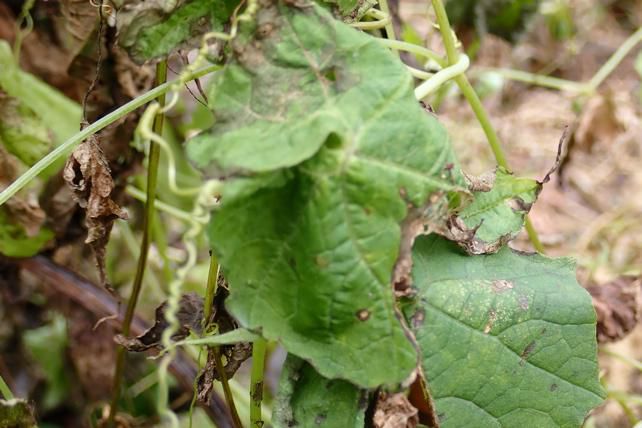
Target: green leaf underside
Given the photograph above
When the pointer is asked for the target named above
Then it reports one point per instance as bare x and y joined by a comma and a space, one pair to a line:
309, 254
15, 241
306, 399
507, 339
149, 31
501, 211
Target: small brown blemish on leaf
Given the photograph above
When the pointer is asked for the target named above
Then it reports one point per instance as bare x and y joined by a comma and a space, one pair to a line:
492, 317
526, 352
264, 30
518, 205
553, 387
363, 314
501, 285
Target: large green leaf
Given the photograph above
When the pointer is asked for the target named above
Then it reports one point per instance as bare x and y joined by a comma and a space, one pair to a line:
307, 399
309, 250
155, 28
507, 339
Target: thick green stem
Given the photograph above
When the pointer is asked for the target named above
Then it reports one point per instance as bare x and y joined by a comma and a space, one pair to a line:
210, 292
256, 382
103, 122
475, 103
5, 390
390, 29
478, 108
446, 33
148, 217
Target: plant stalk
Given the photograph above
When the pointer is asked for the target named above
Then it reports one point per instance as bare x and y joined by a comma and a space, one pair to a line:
389, 28
469, 93
256, 382
148, 217
210, 292
69, 144
5, 390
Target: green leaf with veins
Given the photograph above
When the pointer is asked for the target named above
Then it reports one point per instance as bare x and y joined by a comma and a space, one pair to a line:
307, 399
507, 339
154, 29
325, 152
496, 214
21, 132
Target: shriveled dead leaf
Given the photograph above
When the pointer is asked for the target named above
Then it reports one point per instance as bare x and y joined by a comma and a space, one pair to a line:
617, 305
87, 173
234, 354
16, 414
395, 411
190, 316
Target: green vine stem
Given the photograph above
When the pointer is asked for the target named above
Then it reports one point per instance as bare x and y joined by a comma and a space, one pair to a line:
69, 144
390, 29
442, 76
210, 292
580, 88
475, 103
615, 59
152, 176
256, 382
5, 390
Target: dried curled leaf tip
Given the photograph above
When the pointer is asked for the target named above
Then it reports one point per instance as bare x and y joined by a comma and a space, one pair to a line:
88, 175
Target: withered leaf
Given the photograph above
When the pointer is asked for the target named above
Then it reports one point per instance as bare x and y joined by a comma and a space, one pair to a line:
190, 316
395, 411
88, 175
234, 354
617, 305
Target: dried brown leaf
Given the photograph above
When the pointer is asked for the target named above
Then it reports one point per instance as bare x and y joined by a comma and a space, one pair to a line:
88, 175
190, 316
617, 305
234, 355
395, 411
